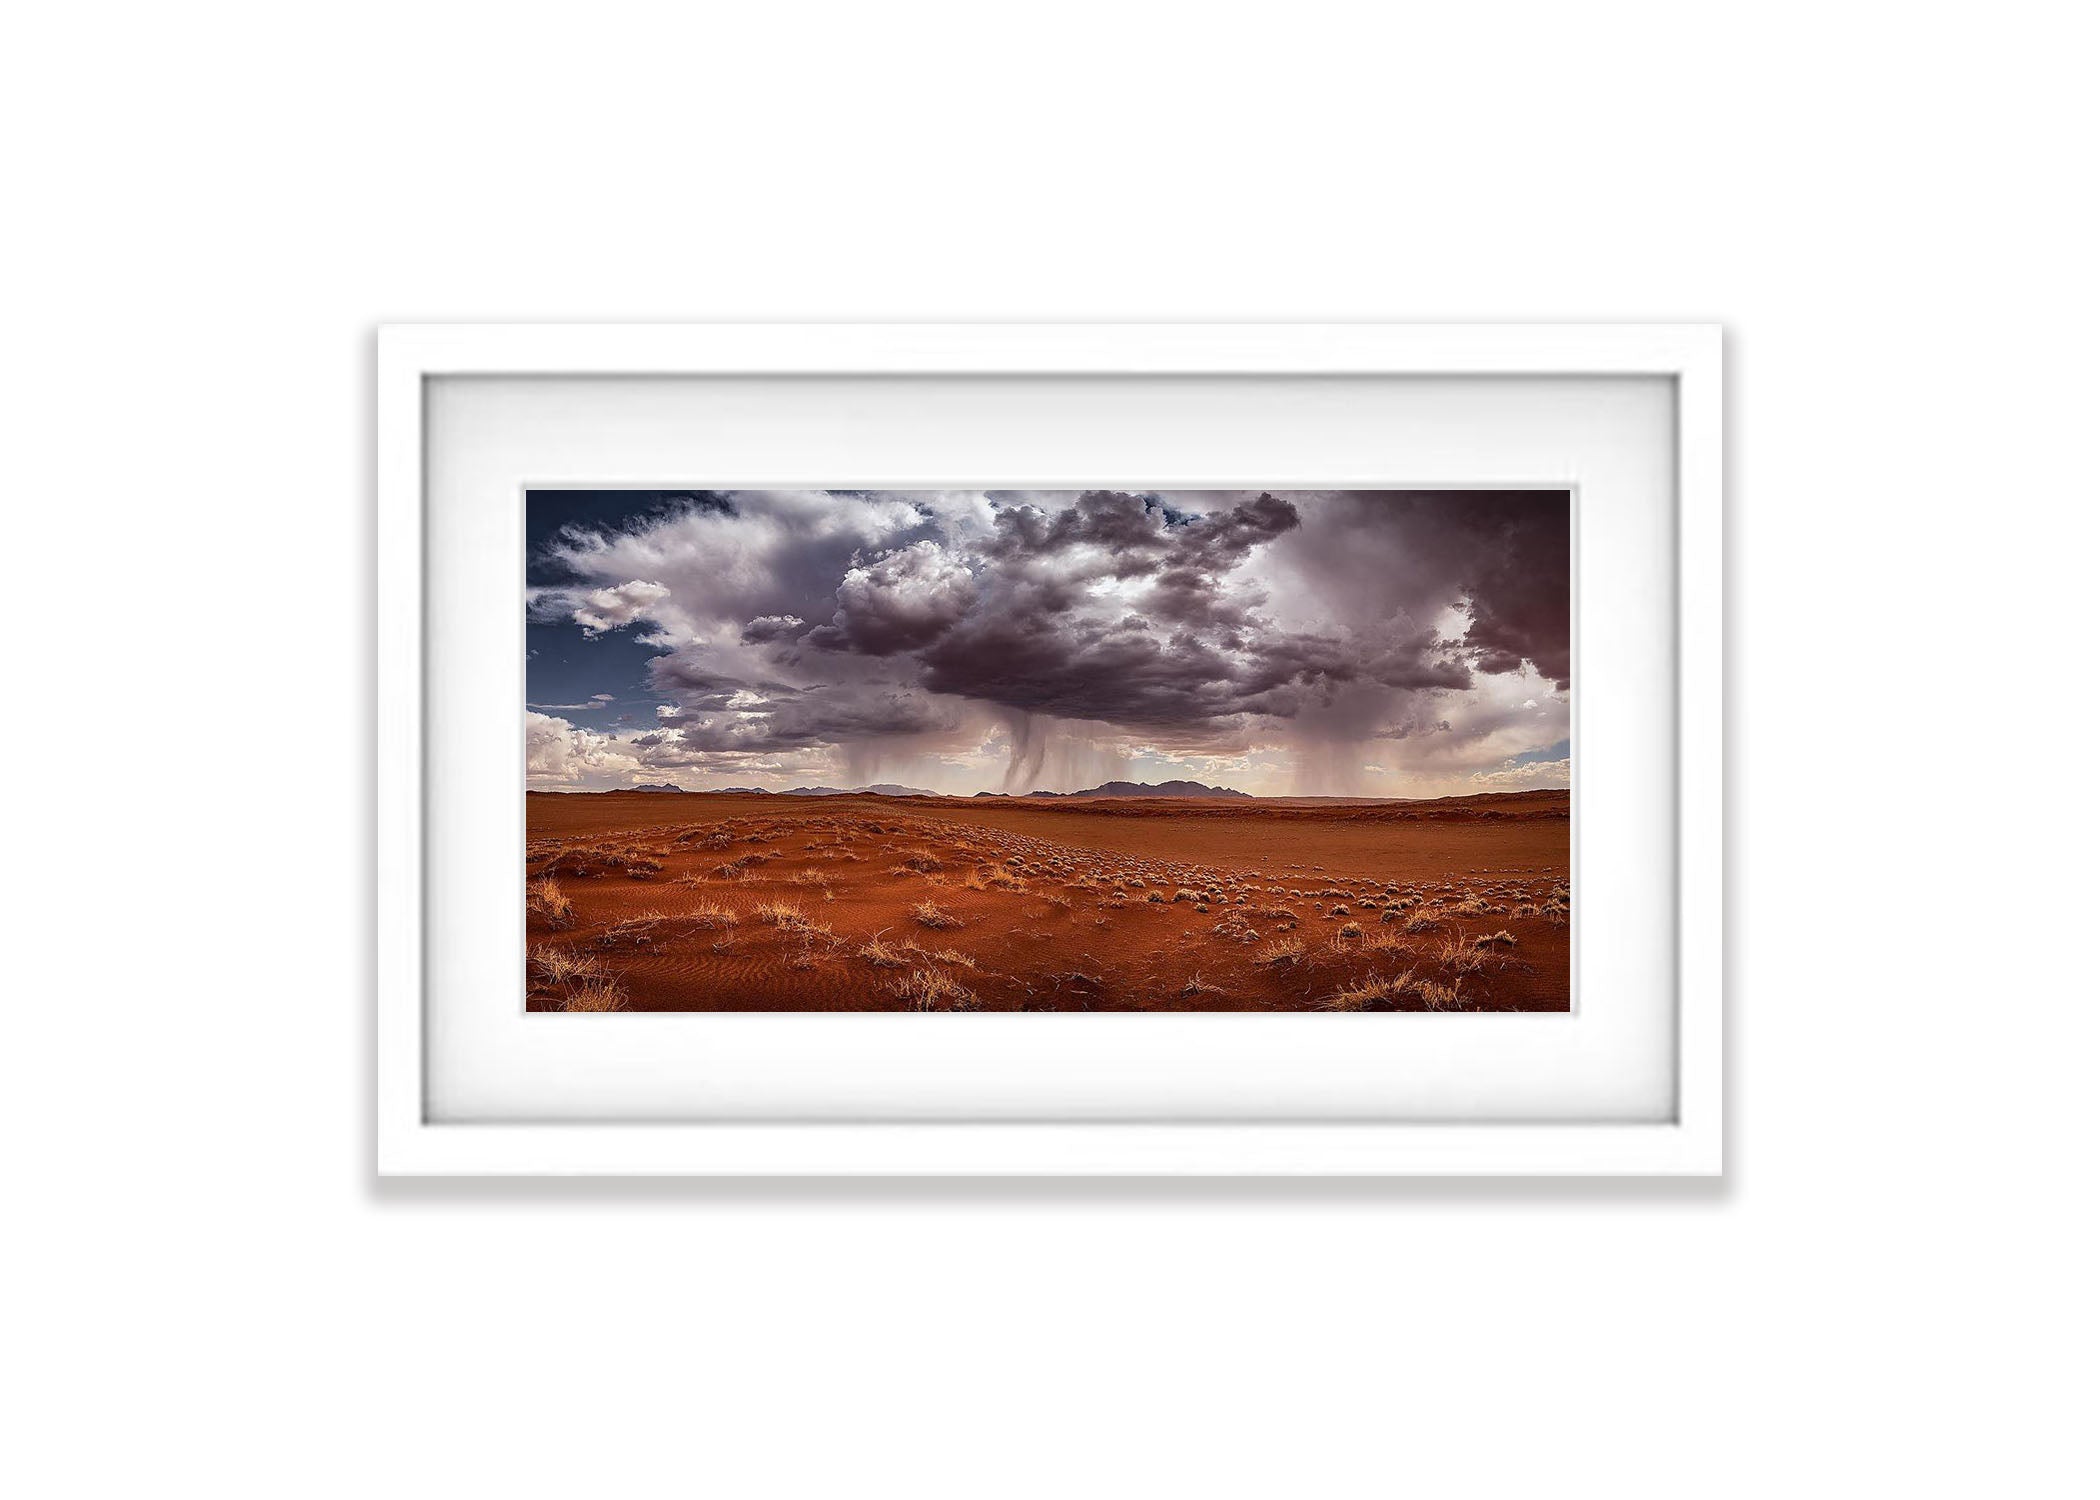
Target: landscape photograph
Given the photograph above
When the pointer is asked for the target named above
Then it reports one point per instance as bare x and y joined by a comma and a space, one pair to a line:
1082, 750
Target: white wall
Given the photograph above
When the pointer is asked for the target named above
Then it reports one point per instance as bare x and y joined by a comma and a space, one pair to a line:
210, 207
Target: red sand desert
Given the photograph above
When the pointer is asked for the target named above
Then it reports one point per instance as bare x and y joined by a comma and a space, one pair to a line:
725, 902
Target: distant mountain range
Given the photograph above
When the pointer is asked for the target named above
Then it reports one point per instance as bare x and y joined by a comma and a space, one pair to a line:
665, 786
891, 789
879, 789
1141, 789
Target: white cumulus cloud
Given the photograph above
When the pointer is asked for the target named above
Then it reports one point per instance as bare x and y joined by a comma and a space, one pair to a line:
611, 608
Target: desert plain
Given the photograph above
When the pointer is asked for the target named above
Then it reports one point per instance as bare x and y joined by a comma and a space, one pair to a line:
648, 901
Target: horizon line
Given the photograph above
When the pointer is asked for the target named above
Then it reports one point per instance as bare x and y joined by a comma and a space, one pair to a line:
670, 788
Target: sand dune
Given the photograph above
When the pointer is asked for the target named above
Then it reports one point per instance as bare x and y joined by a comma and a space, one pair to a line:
649, 902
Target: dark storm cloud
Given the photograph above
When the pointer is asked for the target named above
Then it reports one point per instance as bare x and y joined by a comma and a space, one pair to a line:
1516, 577
1505, 553
1019, 620
679, 676
899, 603
773, 628
1418, 661
750, 717
790, 620
1411, 725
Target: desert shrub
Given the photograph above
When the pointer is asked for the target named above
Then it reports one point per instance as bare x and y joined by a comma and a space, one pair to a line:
884, 955
544, 898
930, 989
1366, 992
1288, 950
1460, 956
1436, 995
926, 914
560, 967
633, 932
595, 995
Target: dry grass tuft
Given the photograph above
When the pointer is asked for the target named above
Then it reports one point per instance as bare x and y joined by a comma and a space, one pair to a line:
785, 915
884, 955
1436, 995
926, 914
930, 989
595, 995
560, 967
545, 898
635, 931
1459, 954
1288, 950
1367, 991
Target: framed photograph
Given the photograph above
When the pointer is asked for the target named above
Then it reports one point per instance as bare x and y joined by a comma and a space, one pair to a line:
1081, 750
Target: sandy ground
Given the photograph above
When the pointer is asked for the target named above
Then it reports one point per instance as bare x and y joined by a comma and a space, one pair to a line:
639, 901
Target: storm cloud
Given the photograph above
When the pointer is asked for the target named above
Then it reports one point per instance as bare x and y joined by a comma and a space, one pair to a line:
967, 632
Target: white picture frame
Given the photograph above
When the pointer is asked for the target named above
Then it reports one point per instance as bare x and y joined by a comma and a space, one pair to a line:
1687, 1142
